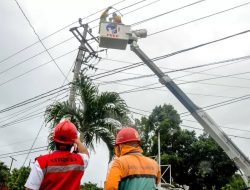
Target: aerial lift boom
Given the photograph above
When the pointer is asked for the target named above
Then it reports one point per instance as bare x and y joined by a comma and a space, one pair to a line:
117, 36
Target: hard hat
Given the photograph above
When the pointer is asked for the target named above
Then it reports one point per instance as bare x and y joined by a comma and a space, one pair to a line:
127, 134
65, 132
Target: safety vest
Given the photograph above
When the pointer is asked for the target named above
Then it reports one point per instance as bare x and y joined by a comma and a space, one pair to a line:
62, 170
133, 171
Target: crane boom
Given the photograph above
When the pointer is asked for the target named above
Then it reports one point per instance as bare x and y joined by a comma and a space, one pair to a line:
117, 36
209, 125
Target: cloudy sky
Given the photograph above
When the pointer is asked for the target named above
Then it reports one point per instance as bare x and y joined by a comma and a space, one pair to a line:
27, 70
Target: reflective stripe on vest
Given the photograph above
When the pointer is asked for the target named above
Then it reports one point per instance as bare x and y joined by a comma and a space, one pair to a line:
63, 168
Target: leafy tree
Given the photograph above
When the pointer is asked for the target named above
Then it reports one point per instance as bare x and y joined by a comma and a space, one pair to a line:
197, 162
97, 116
211, 166
18, 178
4, 175
235, 183
90, 186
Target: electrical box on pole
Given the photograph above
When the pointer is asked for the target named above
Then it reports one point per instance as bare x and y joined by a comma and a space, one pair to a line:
209, 125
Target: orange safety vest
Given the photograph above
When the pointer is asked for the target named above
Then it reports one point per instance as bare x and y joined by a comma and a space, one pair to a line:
132, 171
62, 170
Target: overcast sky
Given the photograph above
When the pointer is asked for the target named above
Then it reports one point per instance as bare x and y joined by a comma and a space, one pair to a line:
26, 72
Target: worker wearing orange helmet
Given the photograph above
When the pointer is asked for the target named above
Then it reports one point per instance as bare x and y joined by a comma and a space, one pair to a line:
131, 170
61, 169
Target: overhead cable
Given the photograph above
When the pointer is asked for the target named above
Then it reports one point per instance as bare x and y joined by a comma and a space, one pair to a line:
32, 27
16, 53
201, 18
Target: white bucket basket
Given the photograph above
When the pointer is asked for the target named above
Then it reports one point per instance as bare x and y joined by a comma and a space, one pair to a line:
114, 35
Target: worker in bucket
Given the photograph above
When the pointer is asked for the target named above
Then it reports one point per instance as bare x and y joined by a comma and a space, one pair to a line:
130, 170
115, 18
61, 169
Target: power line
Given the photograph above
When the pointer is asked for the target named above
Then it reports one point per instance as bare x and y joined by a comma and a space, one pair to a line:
27, 117
89, 22
38, 97
58, 45
27, 47
32, 27
184, 69
237, 129
135, 90
40, 129
203, 130
134, 65
24, 61
165, 13
193, 127
18, 64
220, 104
72, 24
201, 18
34, 68
22, 151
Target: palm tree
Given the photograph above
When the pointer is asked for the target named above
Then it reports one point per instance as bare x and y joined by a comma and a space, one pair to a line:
97, 116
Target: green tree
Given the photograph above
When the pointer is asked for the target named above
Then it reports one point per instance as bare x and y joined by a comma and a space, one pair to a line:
18, 178
211, 166
90, 186
97, 116
197, 162
235, 183
4, 175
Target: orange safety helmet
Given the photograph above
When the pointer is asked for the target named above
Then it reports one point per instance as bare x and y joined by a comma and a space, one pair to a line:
65, 132
127, 134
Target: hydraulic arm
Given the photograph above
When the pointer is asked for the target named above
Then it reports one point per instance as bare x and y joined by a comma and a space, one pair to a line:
116, 35
209, 125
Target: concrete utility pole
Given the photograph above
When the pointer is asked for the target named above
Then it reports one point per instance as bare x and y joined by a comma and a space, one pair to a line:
12, 159
85, 52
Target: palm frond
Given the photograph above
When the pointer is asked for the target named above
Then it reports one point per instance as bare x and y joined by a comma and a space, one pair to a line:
111, 105
108, 138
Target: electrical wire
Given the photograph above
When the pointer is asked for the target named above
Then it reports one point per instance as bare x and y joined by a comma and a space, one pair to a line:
136, 90
184, 69
134, 65
60, 43
198, 19
21, 151
32, 27
203, 130
57, 31
35, 68
38, 97
236, 129
141, 21
24, 154
165, 13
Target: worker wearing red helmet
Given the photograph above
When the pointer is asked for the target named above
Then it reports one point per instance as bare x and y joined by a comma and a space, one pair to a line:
130, 170
61, 169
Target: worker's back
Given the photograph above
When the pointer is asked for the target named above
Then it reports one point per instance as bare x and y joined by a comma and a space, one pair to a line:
62, 170
137, 172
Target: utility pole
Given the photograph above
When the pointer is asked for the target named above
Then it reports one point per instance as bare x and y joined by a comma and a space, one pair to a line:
12, 159
85, 52
159, 153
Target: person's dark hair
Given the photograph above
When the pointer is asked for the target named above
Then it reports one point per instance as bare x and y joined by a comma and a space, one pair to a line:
63, 147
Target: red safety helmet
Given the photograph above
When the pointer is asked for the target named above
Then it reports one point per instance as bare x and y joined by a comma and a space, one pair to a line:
65, 132
127, 134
